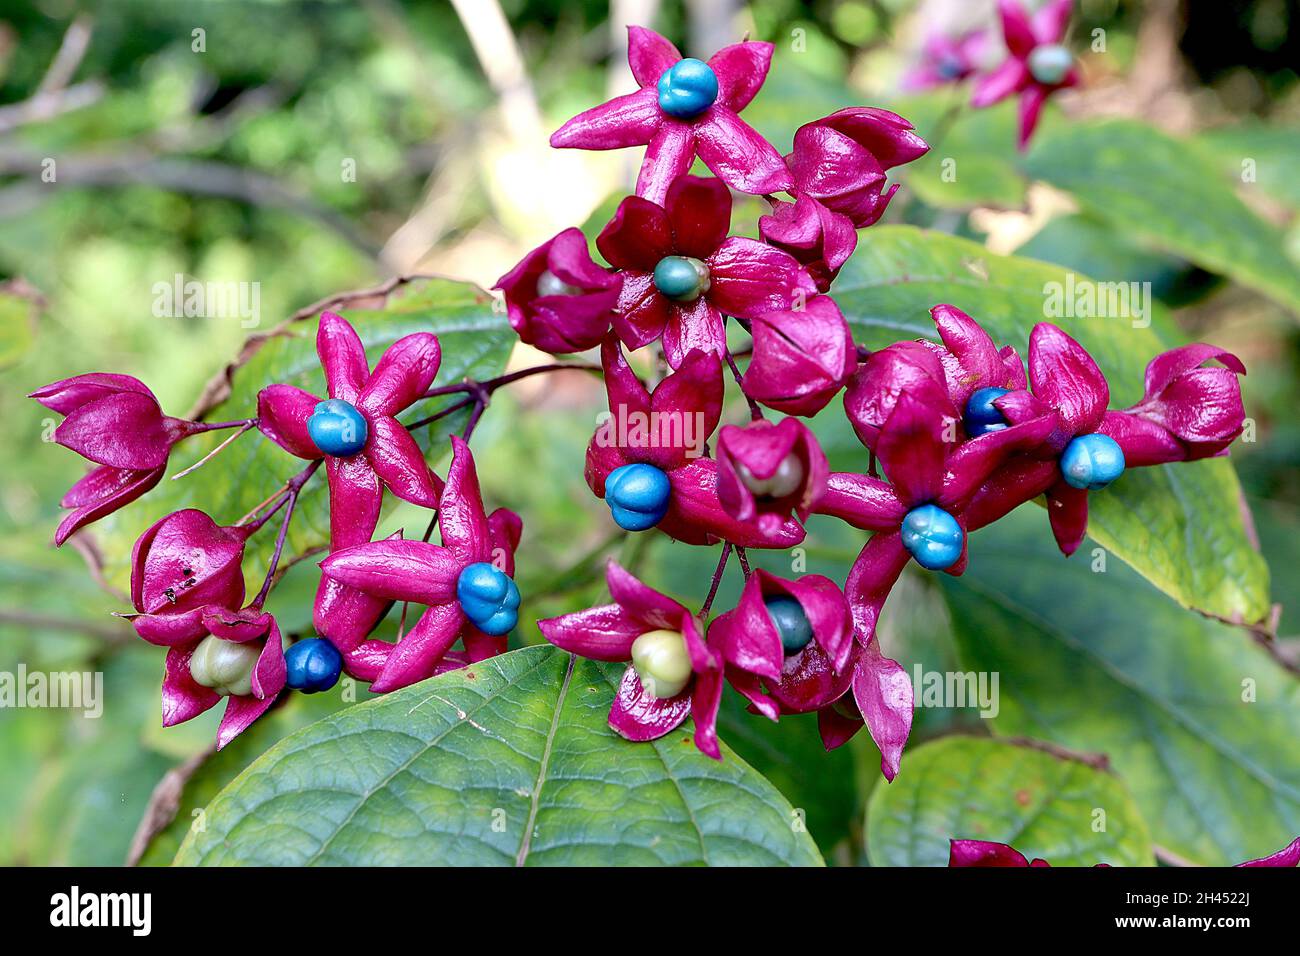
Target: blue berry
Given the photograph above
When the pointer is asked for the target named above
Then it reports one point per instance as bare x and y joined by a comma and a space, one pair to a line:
1091, 462
1049, 63
791, 623
337, 428
681, 278
933, 537
637, 496
489, 597
687, 88
981, 414
312, 665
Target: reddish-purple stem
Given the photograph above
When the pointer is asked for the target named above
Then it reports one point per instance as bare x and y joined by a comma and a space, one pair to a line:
717, 579
291, 498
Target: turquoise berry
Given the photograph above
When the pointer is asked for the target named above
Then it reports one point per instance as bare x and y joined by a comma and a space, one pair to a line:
950, 67
489, 597
1049, 63
791, 623
312, 665
933, 537
681, 278
1091, 462
687, 88
337, 428
637, 495
981, 414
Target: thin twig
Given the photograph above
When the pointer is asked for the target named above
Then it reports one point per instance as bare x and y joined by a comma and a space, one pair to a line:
755, 413
717, 579
743, 558
212, 454
295, 487
492, 384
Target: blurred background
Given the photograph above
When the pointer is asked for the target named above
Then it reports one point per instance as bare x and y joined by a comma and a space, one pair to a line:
316, 147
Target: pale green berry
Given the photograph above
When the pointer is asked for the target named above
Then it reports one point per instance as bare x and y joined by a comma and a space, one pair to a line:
662, 662
225, 666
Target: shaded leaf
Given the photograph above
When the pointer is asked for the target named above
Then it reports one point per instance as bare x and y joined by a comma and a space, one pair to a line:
1199, 720
970, 788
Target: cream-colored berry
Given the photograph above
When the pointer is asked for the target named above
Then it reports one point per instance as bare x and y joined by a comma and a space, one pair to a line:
662, 662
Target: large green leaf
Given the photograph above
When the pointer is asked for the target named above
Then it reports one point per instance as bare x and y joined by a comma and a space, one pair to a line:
1256, 156
1180, 525
218, 769
1096, 248
1171, 192
475, 339
1198, 718
1058, 808
508, 762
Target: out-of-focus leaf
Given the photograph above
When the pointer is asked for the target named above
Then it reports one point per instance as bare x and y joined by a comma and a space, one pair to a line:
85, 803
968, 788
18, 306
1256, 156
1170, 192
1199, 720
972, 159
508, 762
1095, 248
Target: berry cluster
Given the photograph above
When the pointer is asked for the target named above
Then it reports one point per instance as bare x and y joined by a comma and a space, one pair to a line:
963, 435
187, 577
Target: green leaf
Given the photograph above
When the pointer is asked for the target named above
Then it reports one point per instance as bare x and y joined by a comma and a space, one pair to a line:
1197, 717
475, 339
84, 804
1171, 192
1255, 156
218, 769
824, 788
1096, 248
507, 762
970, 788
19, 306
1180, 525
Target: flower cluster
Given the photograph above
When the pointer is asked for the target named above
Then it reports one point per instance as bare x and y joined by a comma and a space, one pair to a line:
962, 432
1037, 62
187, 571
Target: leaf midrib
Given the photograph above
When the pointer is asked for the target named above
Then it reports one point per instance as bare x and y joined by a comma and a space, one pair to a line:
544, 764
